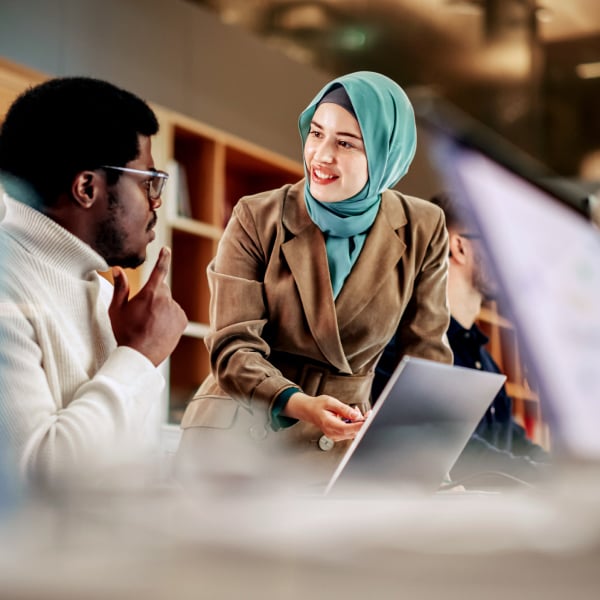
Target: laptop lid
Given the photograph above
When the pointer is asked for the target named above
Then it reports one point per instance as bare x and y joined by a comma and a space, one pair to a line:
545, 254
420, 424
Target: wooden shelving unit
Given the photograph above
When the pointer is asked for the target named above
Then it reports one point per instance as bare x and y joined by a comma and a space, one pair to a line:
217, 170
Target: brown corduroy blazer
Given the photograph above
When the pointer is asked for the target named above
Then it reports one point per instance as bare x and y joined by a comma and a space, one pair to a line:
275, 324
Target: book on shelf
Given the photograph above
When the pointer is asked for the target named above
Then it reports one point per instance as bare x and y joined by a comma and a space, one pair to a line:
180, 189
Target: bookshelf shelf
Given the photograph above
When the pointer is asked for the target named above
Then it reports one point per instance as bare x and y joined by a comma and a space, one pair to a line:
197, 228
197, 330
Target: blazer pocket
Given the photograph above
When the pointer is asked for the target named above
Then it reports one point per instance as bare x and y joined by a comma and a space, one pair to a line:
215, 412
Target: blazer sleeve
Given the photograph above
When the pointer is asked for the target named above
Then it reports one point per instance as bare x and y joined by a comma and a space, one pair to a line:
238, 314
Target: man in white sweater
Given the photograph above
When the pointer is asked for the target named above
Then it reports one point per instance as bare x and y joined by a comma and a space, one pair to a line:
78, 359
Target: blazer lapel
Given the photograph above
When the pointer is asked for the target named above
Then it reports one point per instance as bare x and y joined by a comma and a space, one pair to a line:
307, 259
380, 254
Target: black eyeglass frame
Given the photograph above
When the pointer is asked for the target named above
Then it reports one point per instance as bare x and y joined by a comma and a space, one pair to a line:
154, 174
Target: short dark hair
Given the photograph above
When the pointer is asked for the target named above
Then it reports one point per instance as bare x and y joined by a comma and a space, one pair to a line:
454, 211
66, 125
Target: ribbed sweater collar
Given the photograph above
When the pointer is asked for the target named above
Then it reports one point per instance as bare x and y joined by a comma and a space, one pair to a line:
44, 238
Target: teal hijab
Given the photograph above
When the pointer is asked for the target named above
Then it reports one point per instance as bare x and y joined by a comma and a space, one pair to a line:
387, 124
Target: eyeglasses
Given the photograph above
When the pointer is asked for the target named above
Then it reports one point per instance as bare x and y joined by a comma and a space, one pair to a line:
154, 185
470, 236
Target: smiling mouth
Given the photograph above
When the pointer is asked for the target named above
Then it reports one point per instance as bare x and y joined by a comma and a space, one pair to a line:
323, 177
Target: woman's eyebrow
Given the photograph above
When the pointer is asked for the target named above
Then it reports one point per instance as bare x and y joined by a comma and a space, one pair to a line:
344, 133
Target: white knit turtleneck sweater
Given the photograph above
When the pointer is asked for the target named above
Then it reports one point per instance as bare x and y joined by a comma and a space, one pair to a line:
69, 396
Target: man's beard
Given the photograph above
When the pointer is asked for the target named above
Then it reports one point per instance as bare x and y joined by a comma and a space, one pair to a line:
111, 239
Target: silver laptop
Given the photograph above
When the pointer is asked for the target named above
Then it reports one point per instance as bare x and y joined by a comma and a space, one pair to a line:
420, 424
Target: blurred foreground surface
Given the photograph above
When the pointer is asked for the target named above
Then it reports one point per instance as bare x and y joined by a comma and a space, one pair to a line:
227, 538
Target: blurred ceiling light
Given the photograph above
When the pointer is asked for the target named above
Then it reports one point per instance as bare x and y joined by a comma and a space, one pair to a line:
303, 16
507, 62
588, 70
352, 38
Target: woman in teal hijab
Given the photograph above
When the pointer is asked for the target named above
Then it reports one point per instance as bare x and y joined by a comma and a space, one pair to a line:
312, 280
387, 123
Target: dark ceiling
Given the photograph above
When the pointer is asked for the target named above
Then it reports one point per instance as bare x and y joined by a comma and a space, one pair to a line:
513, 64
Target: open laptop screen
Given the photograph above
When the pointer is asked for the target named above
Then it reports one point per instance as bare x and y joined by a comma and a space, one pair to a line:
417, 429
546, 256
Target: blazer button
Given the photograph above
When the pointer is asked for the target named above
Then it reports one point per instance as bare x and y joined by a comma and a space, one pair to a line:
326, 443
258, 432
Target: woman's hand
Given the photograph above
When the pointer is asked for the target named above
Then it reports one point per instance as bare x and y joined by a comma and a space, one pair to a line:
338, 421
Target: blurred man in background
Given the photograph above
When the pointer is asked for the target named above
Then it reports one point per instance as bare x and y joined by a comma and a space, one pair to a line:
499, 445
